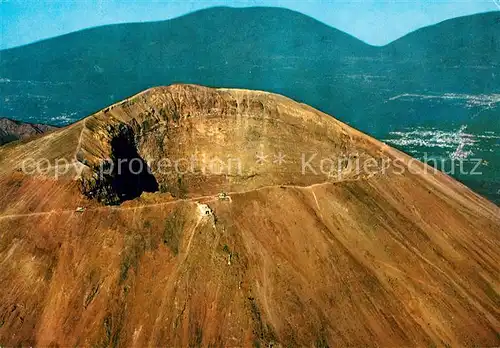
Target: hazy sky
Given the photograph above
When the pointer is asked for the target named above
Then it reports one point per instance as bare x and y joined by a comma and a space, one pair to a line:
374, 21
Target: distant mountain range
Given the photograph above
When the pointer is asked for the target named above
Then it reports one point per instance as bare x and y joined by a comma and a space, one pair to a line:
439, 77
11, 130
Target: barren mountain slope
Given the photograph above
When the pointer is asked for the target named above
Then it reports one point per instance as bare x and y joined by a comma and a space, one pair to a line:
11, 130
300, 251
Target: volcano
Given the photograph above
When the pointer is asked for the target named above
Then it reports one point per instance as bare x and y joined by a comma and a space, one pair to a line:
186, 215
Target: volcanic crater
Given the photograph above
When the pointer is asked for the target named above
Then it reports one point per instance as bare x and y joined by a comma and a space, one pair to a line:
257, 228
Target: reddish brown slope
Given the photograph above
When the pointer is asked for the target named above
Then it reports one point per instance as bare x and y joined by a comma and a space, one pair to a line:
370, 259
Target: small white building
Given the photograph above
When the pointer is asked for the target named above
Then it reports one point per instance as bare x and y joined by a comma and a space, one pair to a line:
204, 210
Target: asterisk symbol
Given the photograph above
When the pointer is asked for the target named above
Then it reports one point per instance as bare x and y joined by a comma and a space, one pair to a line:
261, 158
279, 159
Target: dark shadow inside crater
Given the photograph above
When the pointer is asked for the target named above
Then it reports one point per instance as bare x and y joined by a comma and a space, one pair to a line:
131, 174
125, 176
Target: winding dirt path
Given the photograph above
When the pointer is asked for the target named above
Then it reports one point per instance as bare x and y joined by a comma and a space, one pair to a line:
211, 198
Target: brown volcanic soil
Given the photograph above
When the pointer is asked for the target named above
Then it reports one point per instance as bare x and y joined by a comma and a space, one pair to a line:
352, 259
